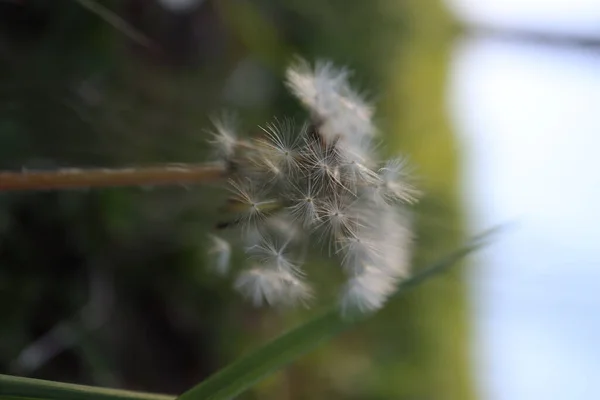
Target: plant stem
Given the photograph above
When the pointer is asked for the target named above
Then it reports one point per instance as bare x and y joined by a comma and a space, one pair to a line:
14, 386
116, 22
86, 178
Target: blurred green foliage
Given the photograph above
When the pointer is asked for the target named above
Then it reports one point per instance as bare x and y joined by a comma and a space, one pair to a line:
75, 91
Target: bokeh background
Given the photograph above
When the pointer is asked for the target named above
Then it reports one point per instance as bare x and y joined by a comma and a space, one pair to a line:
494, 102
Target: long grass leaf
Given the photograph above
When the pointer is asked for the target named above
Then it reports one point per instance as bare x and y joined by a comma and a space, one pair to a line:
247, 371
29, 388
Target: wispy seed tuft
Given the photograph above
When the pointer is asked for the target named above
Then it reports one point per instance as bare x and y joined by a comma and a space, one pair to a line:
320, 181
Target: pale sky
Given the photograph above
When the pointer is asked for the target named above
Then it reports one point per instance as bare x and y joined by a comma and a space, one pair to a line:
528, 118
572, 16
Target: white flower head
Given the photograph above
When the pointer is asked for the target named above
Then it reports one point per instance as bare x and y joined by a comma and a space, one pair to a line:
318, 183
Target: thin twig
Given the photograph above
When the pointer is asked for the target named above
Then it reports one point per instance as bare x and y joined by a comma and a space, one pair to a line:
116, 22
74, 178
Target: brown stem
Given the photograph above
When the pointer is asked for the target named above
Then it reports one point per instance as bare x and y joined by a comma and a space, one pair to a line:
86, 178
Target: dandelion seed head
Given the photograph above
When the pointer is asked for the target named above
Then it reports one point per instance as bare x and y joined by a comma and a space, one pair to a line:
319, 183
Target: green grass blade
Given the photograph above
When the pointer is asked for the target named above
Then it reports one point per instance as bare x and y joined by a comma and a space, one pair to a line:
27, 388
244, 373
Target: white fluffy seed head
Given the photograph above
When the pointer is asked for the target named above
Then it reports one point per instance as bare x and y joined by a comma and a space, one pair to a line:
320, 183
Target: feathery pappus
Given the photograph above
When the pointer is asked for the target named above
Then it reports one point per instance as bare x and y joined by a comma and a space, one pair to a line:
319, 181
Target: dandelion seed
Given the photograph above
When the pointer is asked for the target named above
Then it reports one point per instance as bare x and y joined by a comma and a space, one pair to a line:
360, 250
322, 167
303, 206
262, 168
316, 87
281, 146
224, 138
261, 285
367, 291
220, 251
278, 226
248, 202
268, 252
395, 184
357, 174
298, 292
395, 240
337, 218
325, 91
283, 226
265, 285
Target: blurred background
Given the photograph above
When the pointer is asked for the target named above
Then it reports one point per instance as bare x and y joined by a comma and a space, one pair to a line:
494, 103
